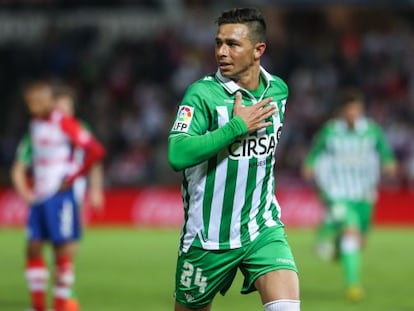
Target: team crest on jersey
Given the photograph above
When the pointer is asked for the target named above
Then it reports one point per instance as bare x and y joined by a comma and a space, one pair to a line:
183, 120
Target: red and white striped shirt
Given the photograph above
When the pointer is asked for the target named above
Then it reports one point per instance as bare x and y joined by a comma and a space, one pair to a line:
54, 140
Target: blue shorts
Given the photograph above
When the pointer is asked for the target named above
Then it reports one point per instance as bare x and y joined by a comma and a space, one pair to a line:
56, 219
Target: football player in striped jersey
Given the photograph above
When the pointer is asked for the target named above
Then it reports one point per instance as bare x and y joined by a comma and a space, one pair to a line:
345, 161
223, 140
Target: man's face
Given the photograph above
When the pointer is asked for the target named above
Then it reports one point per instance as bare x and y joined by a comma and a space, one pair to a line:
39, 101
352, 111
235, 52
65, 104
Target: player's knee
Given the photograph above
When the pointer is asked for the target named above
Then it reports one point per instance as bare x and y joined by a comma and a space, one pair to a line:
350, 243
278, 284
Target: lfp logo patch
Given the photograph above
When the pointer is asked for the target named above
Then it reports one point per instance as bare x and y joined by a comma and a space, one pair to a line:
184, 117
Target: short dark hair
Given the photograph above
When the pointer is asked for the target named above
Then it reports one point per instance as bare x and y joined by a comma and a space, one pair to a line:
61, 90
35, 85
252, 17
349, 95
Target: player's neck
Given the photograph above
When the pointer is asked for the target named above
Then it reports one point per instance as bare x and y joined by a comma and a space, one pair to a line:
42, 116
251, 79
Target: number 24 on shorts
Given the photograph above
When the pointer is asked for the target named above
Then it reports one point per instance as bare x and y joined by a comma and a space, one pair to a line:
188, 277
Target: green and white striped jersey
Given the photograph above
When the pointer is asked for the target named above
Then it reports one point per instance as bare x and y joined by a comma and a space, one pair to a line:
229, 197
347, 161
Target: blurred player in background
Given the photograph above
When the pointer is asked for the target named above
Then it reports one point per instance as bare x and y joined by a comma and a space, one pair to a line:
224, 139
65, 101
345, 161
53, 215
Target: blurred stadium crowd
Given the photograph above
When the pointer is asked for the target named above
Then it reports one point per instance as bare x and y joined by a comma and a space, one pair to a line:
130, 62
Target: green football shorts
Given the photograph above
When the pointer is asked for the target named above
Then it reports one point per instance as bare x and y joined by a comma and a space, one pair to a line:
347, 214
201, 274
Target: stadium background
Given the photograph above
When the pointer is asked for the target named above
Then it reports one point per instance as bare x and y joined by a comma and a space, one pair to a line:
130, 62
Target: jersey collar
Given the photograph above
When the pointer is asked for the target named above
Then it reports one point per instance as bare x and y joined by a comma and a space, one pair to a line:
360, 125
232, 87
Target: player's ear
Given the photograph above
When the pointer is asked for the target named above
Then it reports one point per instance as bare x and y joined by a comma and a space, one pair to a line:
259, 49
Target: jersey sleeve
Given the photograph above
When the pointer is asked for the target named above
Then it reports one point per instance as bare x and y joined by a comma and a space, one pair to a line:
317, 147
186, 151
193, 116
83, 139
86, 125
383, 147
190, 142
24, 150
77, 133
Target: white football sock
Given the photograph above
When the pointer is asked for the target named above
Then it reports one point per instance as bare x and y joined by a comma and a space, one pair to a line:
283, 305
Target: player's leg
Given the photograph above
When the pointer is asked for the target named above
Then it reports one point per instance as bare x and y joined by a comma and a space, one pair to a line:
36, 270
269, 267
356, 225
328, 232
201, 274
325, 238
36, 275
64, 275
64, 227
279, 290
350, 245
365, 209
350, 251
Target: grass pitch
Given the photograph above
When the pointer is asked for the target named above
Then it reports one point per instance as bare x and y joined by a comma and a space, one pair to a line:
133, 269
